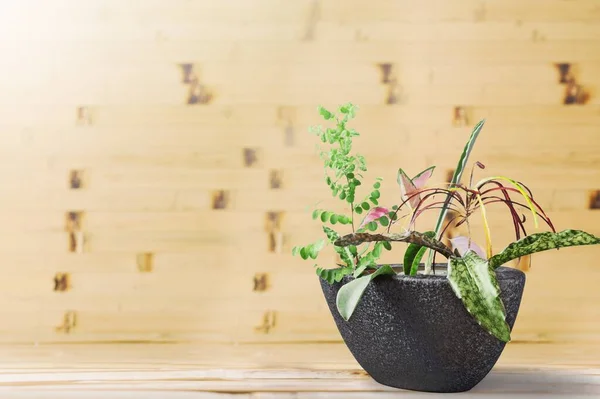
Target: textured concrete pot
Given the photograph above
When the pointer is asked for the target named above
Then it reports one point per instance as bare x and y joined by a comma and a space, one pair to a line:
414, 333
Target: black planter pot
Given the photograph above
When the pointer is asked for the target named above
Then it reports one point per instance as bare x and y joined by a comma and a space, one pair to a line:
414, 333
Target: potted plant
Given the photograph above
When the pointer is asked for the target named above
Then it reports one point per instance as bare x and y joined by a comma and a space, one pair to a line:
422, 325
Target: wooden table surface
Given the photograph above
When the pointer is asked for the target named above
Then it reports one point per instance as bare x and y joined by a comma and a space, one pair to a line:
267, 371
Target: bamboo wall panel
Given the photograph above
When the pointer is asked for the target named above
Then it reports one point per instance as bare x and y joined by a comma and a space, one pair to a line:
156, 169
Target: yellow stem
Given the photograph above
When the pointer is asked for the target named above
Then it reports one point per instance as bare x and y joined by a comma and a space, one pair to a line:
488, 235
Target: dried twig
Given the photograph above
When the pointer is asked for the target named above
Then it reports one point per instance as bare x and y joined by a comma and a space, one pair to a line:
412, 237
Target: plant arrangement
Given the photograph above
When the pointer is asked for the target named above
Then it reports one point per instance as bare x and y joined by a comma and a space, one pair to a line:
372, 227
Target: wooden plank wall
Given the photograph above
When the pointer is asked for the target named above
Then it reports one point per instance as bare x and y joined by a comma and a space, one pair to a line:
156, 165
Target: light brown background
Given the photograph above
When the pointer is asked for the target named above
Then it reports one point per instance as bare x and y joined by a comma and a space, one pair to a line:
98, 87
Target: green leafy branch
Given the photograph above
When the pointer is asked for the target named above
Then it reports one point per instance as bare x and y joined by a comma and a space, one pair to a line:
343, 176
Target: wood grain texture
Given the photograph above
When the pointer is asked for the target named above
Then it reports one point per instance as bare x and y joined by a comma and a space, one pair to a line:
270, 371
156, 107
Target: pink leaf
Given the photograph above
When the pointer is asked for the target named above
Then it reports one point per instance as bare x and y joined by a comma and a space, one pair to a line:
420, 179
374, 214
408, 189
461, 243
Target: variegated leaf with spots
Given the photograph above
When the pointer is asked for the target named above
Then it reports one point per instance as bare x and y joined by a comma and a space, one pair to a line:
541, 242
474, 282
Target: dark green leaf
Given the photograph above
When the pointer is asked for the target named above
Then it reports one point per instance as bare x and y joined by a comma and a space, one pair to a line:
413, 255
365, 206
303, 253
372, 226
387, 245
541, 242
384, 221
343, 195
325, 216
358, 210
374, 201
474, 282
375, 194
333, 219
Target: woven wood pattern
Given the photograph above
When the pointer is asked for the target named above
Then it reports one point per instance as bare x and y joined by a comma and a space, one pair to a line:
157, 169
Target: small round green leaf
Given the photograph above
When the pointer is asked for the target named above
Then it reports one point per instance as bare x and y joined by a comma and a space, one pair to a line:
376, 194
358, 210
387, 245
333, 218
304, 253
372, 226
325, 216
365, 206
377, 185
384, 221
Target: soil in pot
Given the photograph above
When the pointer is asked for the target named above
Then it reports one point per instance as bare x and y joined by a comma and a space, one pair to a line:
414, 333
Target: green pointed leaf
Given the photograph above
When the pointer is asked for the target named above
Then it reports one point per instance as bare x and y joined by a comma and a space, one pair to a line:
383, 270
349, 295
413, 255
474, 282
460, 167
541, 242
